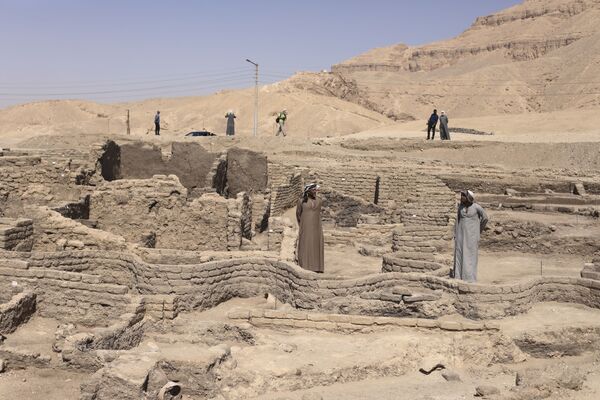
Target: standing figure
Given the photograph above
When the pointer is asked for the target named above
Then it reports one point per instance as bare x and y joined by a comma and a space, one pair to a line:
470, 222
431, 123
280, 120
230, 123
310, 250
444, 132
157, 124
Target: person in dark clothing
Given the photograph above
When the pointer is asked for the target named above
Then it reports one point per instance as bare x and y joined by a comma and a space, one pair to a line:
230, 123
431, 123
157, 124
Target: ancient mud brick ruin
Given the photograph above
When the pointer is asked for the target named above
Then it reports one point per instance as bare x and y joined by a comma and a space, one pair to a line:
116, 243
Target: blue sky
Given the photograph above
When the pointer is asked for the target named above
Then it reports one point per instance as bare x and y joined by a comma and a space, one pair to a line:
125, 50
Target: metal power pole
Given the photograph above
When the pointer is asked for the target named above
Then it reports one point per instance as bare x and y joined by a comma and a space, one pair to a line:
255, 95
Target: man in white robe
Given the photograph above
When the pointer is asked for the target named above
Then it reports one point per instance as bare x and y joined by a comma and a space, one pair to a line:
471, 220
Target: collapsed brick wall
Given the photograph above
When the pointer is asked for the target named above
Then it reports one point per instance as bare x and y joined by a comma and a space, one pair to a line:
53, 232
345, 210
136, 208
244, 205
16, 234
16, 312
217, 177
239, 220
191, 162
110, 161
261, 209
80, 350
246, 171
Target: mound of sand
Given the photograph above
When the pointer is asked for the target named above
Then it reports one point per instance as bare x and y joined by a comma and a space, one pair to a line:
309, 114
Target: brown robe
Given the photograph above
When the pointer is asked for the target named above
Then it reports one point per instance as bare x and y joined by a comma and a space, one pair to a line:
310, 251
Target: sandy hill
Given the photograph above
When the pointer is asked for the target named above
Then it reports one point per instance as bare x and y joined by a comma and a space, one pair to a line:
539, 56
310, 114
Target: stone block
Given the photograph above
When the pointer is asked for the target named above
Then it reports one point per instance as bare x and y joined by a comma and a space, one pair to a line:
427, 323
317, 317
361, 320
450, 325
410, 322
339, 318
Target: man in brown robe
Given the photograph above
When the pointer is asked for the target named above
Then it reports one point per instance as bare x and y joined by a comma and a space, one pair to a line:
310, 252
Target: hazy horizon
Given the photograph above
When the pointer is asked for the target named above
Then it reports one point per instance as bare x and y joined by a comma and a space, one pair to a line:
125, 51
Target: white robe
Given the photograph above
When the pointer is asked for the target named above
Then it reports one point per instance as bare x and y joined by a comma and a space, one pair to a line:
470, 222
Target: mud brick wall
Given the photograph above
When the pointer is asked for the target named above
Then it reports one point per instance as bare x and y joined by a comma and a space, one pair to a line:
345, 210
505, 234
348, 179
413, 198
284, 192
247, 171
189, 161
36, 181
239, 220
96, 285
422, 239
394, 263
70, 286
80, 350
202, 224
133, 208
372, 234
244, 205
261, 208
217, 176
16, 312
16, 234
53, 232
275, 234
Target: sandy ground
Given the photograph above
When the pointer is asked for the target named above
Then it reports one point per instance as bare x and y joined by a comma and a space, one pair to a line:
40, 384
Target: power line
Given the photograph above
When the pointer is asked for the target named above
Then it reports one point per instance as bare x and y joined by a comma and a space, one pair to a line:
243, 77
113, 82
192, 90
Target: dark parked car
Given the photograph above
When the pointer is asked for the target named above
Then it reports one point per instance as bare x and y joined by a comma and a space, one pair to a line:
200, 133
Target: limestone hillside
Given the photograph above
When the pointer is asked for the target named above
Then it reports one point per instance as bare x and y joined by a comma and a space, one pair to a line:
540, 56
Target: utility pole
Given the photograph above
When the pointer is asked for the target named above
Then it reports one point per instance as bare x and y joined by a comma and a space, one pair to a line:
128, 126
255, 95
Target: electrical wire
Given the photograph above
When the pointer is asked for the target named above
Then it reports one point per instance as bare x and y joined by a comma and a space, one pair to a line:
129, 82
244, 77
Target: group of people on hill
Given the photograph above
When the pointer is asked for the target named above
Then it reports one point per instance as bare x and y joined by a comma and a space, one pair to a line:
230, 130
471, 220
432, 123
